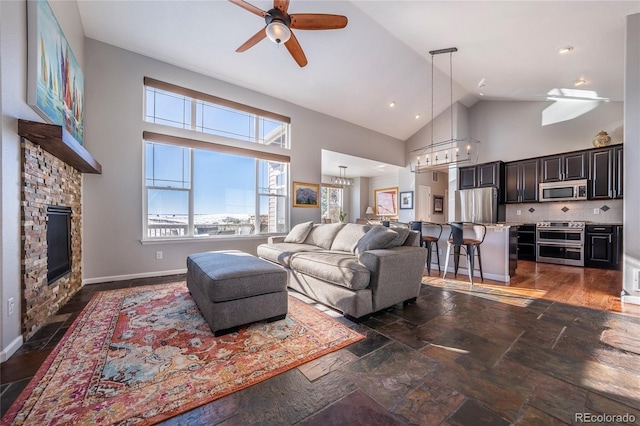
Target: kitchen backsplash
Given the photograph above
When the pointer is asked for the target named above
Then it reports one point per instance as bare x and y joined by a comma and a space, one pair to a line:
596, 211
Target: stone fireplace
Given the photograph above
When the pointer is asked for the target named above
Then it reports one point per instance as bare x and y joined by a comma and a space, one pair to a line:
49, 183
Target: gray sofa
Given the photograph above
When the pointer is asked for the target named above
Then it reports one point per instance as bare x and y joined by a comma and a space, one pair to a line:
356, 269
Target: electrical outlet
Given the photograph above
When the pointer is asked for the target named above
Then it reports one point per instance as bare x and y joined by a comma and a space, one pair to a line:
158, 255
518, 212
11, 306
596, 211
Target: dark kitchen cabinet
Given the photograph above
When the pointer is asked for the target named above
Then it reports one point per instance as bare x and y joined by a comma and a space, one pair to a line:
605, 173
482, 176
603, 248
569, 166
527, 242
467, 177
521, 181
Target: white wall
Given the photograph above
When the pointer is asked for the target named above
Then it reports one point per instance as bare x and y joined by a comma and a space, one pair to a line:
513, 130
631, 156
359, 198
13, 67
112, 222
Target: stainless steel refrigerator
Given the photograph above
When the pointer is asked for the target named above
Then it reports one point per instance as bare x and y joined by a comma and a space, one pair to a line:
478, 205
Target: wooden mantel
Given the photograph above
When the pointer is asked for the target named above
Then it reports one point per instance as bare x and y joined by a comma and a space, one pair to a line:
56, 141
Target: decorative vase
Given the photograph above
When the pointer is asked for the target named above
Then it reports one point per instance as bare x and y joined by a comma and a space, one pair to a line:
601, 139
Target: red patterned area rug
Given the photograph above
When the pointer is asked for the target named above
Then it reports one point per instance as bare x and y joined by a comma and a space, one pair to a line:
145, 354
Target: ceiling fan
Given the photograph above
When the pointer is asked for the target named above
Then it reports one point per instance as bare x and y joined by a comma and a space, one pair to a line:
279, 24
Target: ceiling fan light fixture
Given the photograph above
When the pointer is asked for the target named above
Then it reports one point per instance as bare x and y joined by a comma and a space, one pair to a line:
278, 32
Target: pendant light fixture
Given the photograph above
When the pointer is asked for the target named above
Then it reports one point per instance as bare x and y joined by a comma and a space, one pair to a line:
440, 155
342, 180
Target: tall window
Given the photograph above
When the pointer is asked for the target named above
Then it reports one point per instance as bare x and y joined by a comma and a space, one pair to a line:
331, 203
196, 188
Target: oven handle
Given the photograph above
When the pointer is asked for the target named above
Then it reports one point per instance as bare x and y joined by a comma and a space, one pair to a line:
564, 244
574, 249
563, 230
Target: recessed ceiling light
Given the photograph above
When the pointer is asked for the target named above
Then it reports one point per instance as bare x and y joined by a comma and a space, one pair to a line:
565, 49
579, 82
392, 104
482, 83
417, 116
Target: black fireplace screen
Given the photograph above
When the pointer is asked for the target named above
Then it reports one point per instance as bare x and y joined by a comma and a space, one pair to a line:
58, 242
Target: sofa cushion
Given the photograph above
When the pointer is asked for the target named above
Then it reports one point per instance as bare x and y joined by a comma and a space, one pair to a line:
399, 240
281, 252
322, 235
376, 238
348, 237
338, 268
299, 233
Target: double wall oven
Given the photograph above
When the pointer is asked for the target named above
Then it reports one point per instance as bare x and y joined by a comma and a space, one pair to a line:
560, 242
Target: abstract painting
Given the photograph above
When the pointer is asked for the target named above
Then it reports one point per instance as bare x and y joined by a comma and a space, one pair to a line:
55, 81
386, 201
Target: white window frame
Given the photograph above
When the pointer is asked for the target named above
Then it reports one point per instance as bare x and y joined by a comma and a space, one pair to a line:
194, 98
278, 139
196, 144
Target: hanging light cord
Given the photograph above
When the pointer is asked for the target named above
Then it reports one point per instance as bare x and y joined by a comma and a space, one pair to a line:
432, 99
451, 93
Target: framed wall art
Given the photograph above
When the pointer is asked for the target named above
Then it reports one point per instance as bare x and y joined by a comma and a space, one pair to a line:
406, 200
55, 83
438, 204
305, 194
386, 201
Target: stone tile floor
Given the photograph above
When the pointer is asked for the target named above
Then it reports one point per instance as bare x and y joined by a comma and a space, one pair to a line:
451, 359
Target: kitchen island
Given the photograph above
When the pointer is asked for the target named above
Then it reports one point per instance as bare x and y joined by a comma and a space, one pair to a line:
499, 253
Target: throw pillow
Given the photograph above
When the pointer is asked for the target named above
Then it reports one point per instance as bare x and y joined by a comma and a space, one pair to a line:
403, 233
323, 235
299, 233
378, 237
348, 237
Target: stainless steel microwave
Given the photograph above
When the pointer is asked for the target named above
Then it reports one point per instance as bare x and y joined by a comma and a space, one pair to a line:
571, 190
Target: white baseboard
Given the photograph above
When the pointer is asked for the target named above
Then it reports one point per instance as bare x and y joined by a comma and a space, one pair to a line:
627, 298
132, 276
462, 271
6, 353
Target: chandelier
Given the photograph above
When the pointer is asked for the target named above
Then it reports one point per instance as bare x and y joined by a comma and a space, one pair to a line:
342, 180
440, 155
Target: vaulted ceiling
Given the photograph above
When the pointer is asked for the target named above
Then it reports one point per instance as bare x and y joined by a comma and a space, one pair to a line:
506, 50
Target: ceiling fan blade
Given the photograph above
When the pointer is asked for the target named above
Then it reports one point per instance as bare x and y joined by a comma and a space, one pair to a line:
282, 5
255, 39
293, 46
251, 8
317, 21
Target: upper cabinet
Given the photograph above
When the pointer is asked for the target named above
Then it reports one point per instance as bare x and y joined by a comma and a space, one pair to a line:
482, 176
467, 177
562, 167
606, 173
518, 181
521, 181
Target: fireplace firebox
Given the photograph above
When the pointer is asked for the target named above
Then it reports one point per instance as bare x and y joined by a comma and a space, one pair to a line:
58, 242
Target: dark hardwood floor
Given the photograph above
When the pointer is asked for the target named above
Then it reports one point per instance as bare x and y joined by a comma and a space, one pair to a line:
452, 358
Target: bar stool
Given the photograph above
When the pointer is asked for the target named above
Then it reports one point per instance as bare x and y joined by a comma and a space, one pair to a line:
429, 241
458, 240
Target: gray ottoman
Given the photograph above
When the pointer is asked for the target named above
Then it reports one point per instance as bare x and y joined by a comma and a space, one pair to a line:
233, 288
